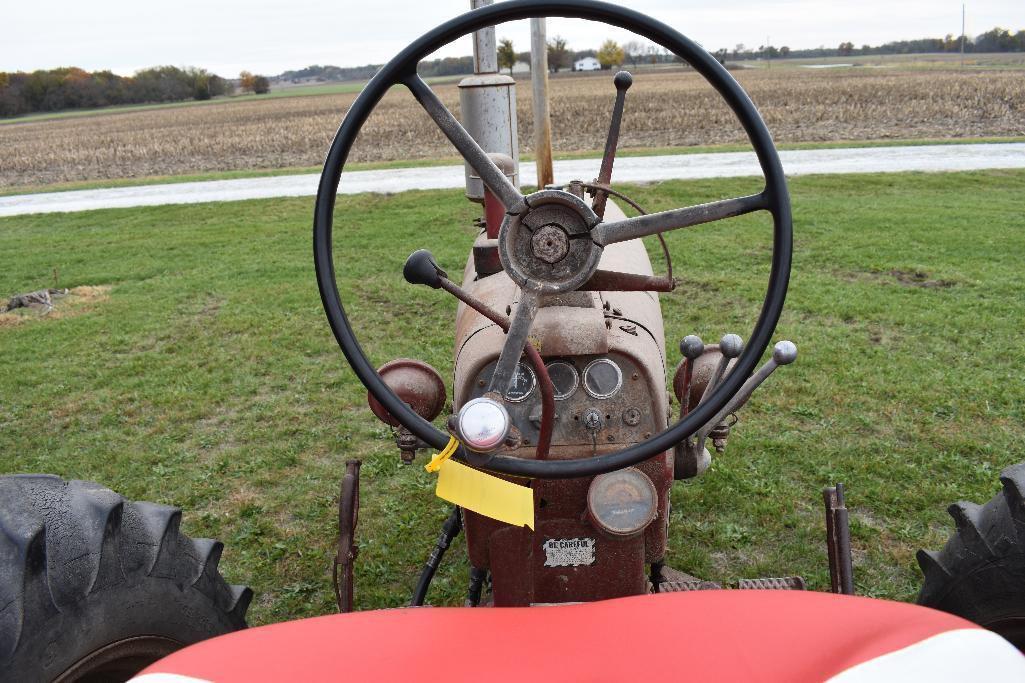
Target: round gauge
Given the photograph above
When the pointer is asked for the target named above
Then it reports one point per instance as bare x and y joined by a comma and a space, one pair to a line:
623, 502
564, 378
522, 385
602, 378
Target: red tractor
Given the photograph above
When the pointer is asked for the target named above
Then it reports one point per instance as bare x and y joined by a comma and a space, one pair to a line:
560, 455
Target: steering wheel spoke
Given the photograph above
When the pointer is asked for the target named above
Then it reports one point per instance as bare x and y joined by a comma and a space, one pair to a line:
605, 234
515, 340
478, 159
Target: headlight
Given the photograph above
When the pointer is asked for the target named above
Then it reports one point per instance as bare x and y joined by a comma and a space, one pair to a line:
483, 424
602, 378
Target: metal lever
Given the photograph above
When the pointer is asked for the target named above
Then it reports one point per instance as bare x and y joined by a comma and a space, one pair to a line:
348, 515
783, 353
691, 348
622, 81
838, 541
730, 346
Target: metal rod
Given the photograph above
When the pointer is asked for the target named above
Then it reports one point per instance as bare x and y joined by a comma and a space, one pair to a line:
485, 49
614, 281
838, 541
542, 117
348, 516
962, 33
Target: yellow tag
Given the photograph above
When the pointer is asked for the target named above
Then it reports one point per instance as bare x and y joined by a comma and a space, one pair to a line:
485, 494
435, 464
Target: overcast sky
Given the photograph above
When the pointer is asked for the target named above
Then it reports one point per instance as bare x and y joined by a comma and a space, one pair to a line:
270, 36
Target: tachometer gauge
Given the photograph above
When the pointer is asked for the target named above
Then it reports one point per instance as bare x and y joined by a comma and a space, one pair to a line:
522, 385
602, 378
564, 378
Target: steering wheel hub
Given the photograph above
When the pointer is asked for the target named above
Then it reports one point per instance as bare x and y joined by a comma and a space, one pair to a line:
550, 243
548, 247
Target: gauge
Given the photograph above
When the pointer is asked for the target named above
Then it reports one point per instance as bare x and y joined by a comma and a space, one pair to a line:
564, 378
523, 382
602, 378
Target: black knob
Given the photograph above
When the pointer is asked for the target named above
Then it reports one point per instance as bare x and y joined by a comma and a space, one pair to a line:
422, 269
623, 80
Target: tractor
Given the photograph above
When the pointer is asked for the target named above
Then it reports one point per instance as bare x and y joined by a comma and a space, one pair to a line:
559, 454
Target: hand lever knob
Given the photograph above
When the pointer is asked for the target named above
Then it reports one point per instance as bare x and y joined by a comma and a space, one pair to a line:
422, 269
784, 352
691, 347
623, 80
731, 345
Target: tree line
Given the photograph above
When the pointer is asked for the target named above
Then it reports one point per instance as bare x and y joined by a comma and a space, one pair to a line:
995, 40
74, 88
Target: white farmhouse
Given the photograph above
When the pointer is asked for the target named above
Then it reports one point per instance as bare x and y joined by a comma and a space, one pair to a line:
587, 64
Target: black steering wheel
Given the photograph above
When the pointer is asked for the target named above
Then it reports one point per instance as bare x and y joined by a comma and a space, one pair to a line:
523, 265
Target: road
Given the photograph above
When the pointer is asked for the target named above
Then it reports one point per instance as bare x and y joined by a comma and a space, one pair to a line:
928, 158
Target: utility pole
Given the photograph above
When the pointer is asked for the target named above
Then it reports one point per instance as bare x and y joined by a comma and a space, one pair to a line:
542, 118
962, 34
768, 52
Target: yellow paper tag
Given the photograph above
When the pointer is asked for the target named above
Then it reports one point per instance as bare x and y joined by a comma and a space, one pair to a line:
485, 494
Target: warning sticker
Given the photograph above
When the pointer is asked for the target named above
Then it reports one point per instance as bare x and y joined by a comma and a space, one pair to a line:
568, 552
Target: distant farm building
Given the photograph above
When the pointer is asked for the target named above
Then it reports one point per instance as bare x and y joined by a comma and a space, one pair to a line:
587, 64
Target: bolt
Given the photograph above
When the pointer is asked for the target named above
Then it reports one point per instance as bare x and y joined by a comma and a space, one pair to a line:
550, 244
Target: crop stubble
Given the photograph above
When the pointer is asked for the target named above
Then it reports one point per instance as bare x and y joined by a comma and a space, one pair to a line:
675, 108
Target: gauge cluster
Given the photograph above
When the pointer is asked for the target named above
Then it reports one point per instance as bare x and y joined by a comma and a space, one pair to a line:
611, 386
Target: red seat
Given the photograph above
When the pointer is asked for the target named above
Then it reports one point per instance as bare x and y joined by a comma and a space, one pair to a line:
701, 636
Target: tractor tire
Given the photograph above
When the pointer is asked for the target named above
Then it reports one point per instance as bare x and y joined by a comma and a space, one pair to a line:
980, 573
95, 588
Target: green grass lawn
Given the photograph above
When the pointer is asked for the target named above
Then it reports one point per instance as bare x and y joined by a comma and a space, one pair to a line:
208, 378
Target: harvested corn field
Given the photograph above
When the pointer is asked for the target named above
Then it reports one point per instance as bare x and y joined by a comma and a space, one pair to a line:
675, 108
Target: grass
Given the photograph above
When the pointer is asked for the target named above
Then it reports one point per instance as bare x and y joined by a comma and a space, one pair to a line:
207, 377
525, 158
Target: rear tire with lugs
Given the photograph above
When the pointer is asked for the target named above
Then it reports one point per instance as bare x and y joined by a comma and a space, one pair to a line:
95, 588
980, 573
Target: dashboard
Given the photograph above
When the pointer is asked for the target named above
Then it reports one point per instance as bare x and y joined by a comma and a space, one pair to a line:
599, 399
